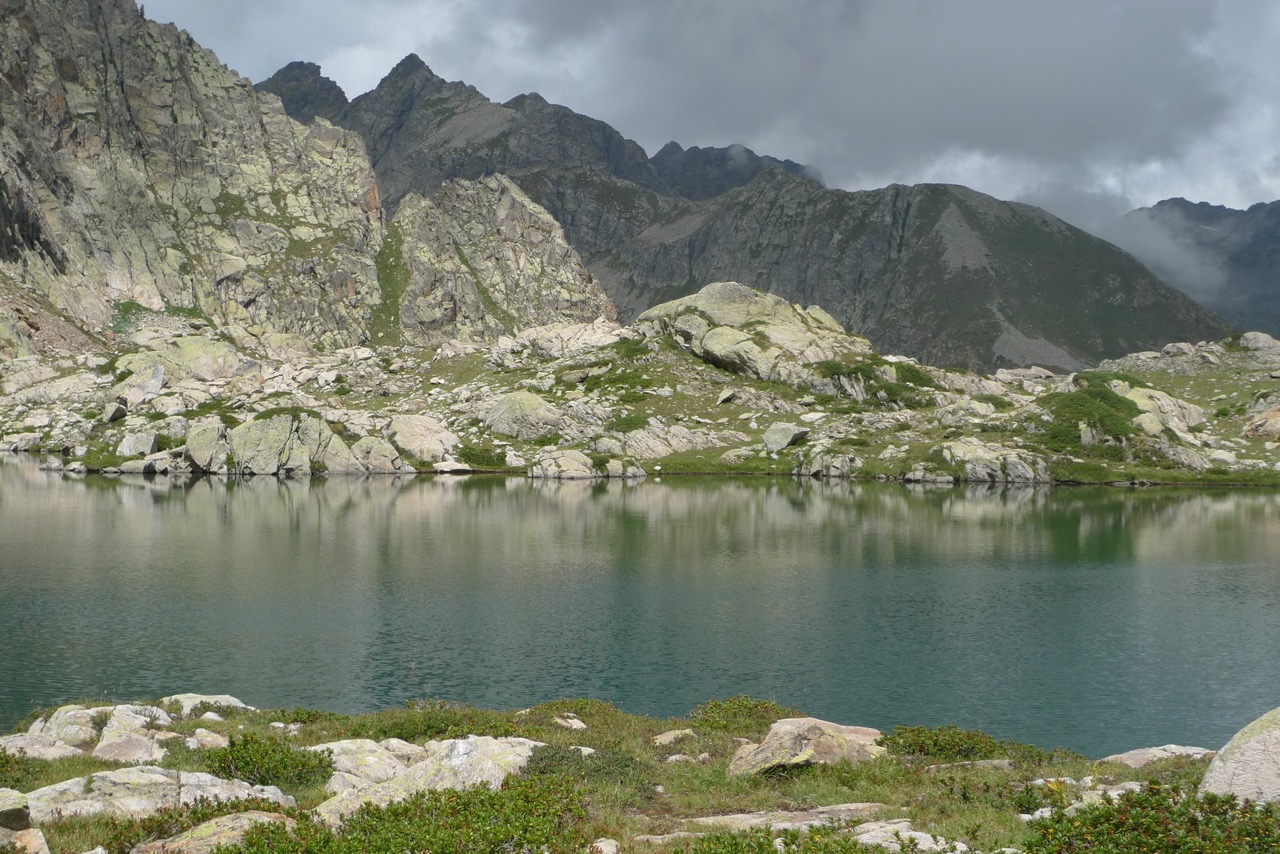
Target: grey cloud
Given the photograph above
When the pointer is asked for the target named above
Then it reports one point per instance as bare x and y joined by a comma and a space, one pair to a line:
1046, 95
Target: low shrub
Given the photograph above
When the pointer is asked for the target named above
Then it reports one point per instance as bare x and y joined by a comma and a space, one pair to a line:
740, 715
950, 743
127, 833
603, 766
429, 719
525, 815
19, 771
1163, 819
482, 458
269, 761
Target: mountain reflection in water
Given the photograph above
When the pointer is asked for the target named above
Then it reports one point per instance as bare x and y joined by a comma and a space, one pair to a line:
1094, 618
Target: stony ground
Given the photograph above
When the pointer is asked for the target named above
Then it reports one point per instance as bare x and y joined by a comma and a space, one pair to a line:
190, 772
728, 381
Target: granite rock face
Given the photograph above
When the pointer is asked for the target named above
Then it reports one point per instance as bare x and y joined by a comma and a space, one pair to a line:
482, 260
139, 169
1249, 765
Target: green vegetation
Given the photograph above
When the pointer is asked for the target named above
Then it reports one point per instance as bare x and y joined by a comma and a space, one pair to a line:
1161, 820
1094, 405
546, 815
479, 457
267, 761
393, 281
563, 798
628, 423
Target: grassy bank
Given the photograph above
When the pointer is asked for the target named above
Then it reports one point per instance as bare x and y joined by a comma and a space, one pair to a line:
629, 787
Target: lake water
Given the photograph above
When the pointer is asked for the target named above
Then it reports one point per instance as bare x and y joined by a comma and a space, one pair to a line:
1097, 619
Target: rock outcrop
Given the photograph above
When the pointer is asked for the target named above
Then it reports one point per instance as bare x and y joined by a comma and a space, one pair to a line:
480, 260
1249, 765
138, 170
794, 742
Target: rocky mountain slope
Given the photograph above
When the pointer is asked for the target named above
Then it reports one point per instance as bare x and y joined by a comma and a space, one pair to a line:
939, 272
1228, 259
137, 172
726, 380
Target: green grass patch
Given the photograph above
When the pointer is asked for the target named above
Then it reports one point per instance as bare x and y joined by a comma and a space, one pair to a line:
393, 281
628, 423
480, 457
269, 761
740, 715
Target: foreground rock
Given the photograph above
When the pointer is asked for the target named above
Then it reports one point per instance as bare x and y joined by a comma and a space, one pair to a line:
789, 820
458, 763
794, 742
1249, 766
224, 830
1144, 756
140, 791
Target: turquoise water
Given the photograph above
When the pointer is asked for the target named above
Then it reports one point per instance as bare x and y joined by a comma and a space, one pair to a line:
1097, 619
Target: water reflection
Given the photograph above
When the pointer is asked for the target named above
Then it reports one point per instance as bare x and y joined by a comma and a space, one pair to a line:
1097, 618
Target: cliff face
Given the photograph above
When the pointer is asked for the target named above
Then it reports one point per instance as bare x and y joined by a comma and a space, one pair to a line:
136, 167
481, 260
1229, 259
941, 273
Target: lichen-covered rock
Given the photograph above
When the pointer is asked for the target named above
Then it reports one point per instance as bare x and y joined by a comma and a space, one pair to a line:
782, 435
453, 764
207, 447
139, 791
38, 746
163, 176
266, 446
225, 830
1265, 425
423, 437
752, 333
482, 260
563, 465
363, 758
806, 741
378, 456
994, 463
1144, 756
523, 415
1249, 765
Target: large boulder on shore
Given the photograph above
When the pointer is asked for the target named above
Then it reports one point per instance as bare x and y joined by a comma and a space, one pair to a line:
753, 333
523, 415
793, 742
457, 763
1249, 766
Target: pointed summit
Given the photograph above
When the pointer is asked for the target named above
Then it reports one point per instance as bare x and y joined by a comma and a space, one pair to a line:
305, 92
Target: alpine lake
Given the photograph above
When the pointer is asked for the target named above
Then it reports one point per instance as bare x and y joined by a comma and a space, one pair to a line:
1099, 619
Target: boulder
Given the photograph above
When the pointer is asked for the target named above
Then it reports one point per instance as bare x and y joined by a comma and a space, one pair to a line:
265, 446
458, 763
143, 386
1249, 766
207, 447
1264, 425
993, 463
187, 702
363, 758
1258, 341
782, 435
671, 736
806, 741
325, 449
139, 444
29, 841
523, 415
893, 835
140, 791
563, 465
225, 830
423, 437
789, 820
38, 746
558, 340
72, 725
378, 456
1144, 756
753, 333
204, 739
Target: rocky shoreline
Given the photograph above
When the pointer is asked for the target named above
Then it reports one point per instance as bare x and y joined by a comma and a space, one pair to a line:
142, 752
729, 380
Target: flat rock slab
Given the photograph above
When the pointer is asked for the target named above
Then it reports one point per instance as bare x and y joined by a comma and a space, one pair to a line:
891, 836
38, 746
187, 702
204, 838
782, 820
795, 742
140, 791
1144, 756
363, 758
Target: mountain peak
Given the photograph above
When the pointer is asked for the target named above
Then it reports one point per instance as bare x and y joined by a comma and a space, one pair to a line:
305, 92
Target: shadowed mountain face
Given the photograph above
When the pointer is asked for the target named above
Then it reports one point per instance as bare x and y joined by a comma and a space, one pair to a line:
939, 272
1227, 259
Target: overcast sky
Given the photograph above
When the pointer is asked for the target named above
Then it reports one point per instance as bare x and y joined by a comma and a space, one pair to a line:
1086, 107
